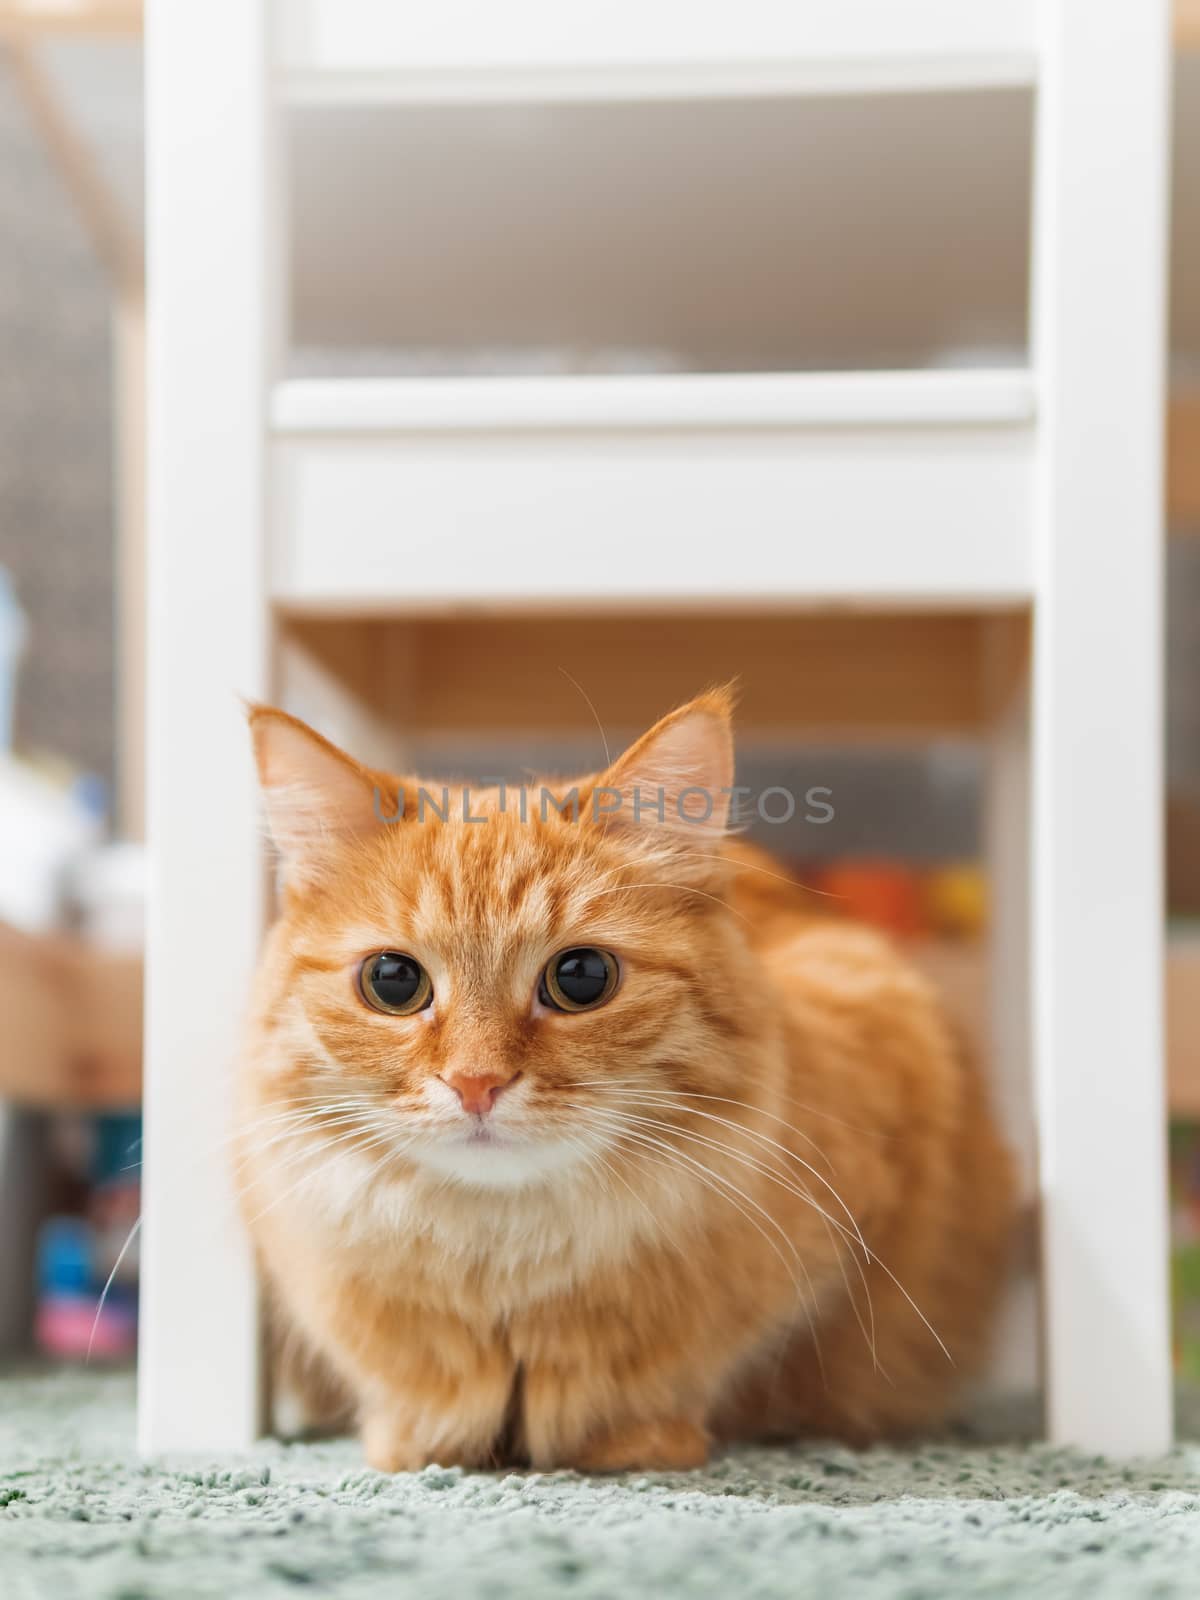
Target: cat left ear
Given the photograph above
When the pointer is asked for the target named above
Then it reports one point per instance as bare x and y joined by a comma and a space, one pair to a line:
677, 779
316, 796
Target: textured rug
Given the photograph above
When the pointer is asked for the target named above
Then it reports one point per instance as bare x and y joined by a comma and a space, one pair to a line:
80, 1515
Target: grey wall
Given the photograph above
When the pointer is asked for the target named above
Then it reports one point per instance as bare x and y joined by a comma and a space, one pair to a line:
56, 535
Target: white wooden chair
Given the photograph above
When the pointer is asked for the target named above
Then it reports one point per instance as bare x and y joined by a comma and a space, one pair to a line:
1036, 489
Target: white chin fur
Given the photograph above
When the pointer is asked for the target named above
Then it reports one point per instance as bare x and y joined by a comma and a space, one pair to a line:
503, 1165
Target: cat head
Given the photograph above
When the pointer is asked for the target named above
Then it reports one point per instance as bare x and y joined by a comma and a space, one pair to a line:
490, 983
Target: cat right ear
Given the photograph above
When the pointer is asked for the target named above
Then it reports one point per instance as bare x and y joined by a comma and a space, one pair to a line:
316, 796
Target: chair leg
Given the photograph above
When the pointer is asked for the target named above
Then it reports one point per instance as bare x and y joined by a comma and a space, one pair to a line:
208, 644
1097, 908
1015, 1353
1097, 1050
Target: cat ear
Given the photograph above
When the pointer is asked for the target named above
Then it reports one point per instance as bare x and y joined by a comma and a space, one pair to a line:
677, 778
316, 796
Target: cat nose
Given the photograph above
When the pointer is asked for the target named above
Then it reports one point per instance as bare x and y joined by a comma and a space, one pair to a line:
478, 1091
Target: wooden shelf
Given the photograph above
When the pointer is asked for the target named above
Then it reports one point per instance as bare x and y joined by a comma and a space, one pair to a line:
1187, 25
72, 1034
959, 970
826, 677
1183, 1025
1183, 460
37, 18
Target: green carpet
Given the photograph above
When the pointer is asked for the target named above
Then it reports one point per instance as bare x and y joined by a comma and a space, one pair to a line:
80, 1515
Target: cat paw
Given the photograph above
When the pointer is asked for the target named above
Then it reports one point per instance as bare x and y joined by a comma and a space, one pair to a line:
665, 1446
388, 1448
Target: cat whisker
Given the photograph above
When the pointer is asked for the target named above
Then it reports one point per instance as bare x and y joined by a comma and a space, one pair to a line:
798, 1190
320, 1149
809, 1110
373, 1172
657, 1224
680, 888
317, 1153
235, 1135
587, 700
660, 1100
124, 1250
800, 1105
739, 865
870, 1254
754, 1164
307, 1126
718, 1186
763, 1139
758, 1111
623, 1123
116, 1267
306, 1141
856, 1233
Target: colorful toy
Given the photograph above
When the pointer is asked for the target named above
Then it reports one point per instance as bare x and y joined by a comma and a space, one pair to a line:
956, 900
87, 1264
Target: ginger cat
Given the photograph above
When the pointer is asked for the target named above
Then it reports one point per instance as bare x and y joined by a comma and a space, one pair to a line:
575, 1137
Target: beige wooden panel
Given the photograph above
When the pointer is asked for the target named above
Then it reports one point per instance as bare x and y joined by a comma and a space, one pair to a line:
826, 673
33, 17
72, 1031
1183, 461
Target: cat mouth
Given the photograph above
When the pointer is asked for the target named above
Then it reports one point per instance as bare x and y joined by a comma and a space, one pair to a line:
487, 1157
483, 1134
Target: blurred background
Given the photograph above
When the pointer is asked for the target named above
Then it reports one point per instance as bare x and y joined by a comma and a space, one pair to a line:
927, 195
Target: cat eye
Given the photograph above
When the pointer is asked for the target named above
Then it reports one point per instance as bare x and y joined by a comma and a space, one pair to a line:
579, 980
394, 983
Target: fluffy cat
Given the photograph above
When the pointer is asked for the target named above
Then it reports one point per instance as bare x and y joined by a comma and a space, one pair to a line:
575, 1137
